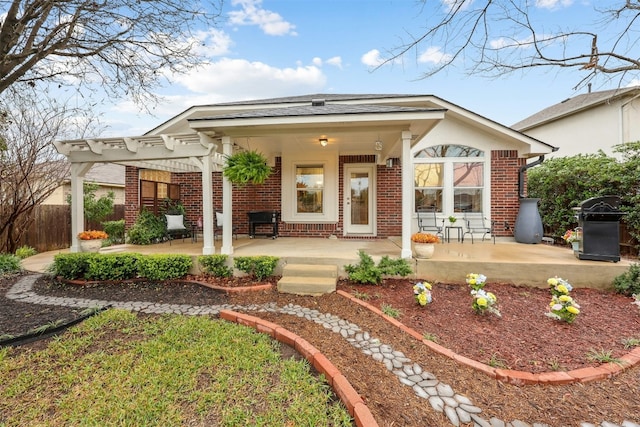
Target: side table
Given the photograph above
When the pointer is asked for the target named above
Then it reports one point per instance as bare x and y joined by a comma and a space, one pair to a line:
459, 234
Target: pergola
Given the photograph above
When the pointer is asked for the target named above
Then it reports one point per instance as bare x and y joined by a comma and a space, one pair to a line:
190, 152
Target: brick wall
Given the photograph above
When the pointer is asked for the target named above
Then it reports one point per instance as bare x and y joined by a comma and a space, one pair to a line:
505, 166
131, 192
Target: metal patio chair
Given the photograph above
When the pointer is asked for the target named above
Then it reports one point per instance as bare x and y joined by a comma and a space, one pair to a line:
428, 221
475, 222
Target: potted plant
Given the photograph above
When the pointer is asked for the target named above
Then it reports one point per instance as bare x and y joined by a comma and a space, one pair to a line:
91, 240
424, 244
573, 237
452, 219
247, 167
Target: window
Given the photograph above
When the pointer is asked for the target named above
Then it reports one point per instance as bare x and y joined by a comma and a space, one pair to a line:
154, 195
310, 189
450, 178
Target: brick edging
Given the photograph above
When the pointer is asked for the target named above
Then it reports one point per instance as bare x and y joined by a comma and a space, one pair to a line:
582, 375
341, 386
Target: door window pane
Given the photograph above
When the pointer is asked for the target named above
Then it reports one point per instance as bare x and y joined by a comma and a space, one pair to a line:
359, 198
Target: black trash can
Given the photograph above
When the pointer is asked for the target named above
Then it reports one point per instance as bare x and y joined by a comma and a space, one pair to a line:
599, 218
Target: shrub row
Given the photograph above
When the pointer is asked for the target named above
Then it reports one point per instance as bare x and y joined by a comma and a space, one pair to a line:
122, 266
259, 267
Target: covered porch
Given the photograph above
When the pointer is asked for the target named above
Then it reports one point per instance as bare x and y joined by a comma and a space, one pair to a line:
505, 261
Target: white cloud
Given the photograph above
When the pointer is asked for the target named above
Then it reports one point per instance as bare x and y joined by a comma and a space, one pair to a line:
336, 61
553, 4
241, 79
317, 61
372, 58
450, 5
434, 55
212, 43
633, 83
251, 13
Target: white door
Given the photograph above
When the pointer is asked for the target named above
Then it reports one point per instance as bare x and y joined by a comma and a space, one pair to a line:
359, 200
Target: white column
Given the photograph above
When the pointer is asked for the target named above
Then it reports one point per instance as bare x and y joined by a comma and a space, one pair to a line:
227, 203
407, 194
208, 247
78, 171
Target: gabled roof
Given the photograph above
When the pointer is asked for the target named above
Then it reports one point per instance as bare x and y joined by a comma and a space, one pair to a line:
572, 106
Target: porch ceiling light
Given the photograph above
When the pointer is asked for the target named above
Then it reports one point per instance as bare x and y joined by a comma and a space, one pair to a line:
378, 145
324, 142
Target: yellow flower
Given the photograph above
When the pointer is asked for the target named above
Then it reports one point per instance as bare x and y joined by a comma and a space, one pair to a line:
573, 310
491, 296
552, 281
482, 302
565, 298
427, 285
422, 299
563, 289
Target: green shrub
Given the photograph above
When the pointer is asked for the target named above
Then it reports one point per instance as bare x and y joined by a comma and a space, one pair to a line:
367, 272
628, 283
115, 231
259, 267
121, 266
71, 266
25, 252
164, 266
215, 265
9, 264
394, 267
147, 229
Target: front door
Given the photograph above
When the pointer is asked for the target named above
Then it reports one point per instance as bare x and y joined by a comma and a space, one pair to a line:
359, 209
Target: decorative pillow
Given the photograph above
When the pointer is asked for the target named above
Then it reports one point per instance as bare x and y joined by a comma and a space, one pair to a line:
219, 219
175, 222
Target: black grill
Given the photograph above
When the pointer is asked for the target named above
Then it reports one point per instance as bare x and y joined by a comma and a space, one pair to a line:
599, 218
266, 221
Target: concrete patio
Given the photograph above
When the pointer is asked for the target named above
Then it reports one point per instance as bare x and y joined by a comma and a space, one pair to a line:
505, 261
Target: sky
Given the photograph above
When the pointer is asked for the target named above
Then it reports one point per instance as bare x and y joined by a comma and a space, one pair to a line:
277, 48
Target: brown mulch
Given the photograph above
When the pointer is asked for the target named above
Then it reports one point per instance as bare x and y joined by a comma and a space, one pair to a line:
522, 338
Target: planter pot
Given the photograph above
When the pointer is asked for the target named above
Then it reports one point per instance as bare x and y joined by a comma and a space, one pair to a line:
575, 246
424, 250
93, 245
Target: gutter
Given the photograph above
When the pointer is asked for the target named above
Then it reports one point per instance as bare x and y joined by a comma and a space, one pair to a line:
521, 172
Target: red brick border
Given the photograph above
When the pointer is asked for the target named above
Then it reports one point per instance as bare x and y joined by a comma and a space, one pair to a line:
582, 375
341, 386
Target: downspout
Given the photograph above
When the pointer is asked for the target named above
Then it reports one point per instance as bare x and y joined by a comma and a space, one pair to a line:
523, 169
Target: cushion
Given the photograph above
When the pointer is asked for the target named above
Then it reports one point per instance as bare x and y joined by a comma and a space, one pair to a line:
219, 219
175, 222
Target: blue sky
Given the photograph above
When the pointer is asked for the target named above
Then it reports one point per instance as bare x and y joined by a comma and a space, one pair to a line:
273, 48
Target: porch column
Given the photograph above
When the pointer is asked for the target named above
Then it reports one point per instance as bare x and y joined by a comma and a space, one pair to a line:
407, 194
208, 247
78, 171
227, 203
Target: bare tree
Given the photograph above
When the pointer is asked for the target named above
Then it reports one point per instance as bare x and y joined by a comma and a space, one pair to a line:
126, 46
494, 37
30, 167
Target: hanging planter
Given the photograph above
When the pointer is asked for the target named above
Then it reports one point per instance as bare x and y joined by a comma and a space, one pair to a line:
247, 167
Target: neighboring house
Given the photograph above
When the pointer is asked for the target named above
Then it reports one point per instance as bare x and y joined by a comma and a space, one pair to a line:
349, 166
108, 176
587, 123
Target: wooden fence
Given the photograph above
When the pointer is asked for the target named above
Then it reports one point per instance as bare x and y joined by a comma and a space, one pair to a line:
50, 227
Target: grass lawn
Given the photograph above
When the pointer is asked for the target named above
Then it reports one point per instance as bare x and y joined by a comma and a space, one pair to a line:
119, 368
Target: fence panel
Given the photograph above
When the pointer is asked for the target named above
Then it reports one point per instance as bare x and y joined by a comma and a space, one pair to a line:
50, 227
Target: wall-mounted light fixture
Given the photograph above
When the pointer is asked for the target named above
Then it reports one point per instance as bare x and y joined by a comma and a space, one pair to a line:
390, 162
324, 142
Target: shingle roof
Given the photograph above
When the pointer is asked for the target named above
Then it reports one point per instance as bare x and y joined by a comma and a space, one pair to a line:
570, 106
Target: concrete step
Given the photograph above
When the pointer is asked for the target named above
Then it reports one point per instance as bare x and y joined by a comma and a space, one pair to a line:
301, 285
310, 270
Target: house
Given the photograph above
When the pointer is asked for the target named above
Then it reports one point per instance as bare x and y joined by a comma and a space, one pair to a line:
587, 123
108, 177
345, 166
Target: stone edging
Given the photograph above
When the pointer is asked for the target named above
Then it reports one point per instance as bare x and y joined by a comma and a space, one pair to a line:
582, 375
341, 386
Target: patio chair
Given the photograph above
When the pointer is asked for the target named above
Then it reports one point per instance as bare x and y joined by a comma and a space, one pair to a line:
176, 226
428, 221
475, 222
217, 228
